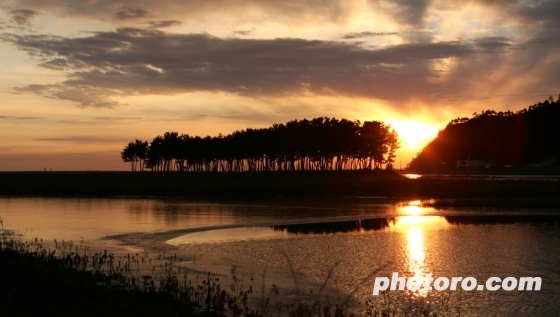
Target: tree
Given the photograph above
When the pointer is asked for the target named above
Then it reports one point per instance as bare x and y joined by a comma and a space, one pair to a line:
318, 144
135, 153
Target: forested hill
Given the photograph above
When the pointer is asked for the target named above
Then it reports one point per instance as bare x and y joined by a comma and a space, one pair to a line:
521, 138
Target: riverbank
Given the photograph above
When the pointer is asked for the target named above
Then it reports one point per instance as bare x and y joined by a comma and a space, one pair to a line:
263, 185
71, 280
33, 287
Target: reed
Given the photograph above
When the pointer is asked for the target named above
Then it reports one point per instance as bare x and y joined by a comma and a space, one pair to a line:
62, 278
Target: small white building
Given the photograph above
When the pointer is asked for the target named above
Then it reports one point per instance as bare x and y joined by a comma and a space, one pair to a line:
475, 163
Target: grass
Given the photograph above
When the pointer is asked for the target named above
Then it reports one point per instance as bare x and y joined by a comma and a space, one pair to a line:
67, 279
260, 185
70, 280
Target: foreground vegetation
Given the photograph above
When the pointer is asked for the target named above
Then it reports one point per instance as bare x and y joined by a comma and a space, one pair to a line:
38, 281
268, 185
70, 280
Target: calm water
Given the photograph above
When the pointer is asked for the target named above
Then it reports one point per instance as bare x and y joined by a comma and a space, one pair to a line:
554, 178
334, 244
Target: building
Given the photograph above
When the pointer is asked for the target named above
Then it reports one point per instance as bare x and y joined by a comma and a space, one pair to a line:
475, 163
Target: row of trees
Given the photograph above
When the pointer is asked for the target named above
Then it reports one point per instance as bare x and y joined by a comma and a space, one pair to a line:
317, 144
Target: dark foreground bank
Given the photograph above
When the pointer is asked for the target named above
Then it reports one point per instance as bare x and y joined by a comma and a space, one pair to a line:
32, 287
267, 185
39, 281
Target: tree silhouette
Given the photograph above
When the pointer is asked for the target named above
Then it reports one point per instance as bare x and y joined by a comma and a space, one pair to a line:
135, 153
317, 144
520, 138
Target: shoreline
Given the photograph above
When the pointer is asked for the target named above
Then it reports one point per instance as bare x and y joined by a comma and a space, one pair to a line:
271, 185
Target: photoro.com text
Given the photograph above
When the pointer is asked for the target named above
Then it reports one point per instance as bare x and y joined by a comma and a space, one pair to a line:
443, 283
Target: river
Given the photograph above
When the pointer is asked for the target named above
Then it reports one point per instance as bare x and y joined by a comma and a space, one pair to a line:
331, 248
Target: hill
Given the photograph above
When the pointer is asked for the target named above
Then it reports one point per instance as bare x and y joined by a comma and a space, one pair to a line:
496, 139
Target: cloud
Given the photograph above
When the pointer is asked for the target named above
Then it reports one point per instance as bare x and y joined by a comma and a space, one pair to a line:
535, 13
163, 24
253, 118
410, 13
301, 11
406, 12
125, 12
492, 43
105, 67
243, 32
84, 139
545, 14
134, 61
83, 96
101, 120
17, 118
356, 35
23, 16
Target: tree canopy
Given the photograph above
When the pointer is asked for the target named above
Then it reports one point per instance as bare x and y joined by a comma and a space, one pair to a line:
317, 144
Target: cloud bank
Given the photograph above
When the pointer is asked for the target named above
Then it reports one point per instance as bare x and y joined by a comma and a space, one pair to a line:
133, 61
103, 68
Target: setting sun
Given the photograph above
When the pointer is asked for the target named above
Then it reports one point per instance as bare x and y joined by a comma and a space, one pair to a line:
414, 134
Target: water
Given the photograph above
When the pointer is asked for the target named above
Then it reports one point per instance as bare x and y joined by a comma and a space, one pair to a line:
554, 178
335, 244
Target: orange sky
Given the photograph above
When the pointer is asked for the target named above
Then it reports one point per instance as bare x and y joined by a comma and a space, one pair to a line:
80, 79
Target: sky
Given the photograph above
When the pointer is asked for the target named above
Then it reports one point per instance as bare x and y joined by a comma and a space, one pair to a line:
80, 79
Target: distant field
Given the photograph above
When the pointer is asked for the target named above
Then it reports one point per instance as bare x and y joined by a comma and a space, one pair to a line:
268, 185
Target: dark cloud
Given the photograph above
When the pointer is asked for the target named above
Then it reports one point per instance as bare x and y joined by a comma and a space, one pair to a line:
406, 12
544, 13
56, 64
23, 16
124, 12
131, 61
356, 35
163, 24
492, 43
243, 32
138, 61
410, 12
532, 14
300, 11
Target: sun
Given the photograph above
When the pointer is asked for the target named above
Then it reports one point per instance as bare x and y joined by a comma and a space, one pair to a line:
414, 134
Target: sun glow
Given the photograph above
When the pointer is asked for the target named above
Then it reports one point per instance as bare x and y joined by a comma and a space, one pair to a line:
414, 208
413, 226
414, 134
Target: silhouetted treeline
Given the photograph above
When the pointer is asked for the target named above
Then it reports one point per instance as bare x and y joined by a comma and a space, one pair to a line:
317, 144
528, 136
374, 224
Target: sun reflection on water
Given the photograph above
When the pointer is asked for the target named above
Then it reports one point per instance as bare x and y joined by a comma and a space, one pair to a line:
414, 207
412, 176
413, 226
